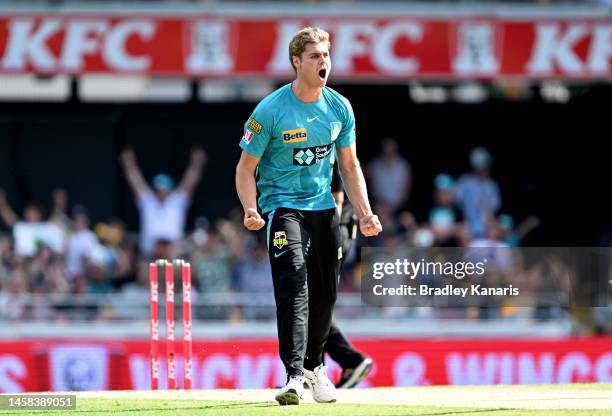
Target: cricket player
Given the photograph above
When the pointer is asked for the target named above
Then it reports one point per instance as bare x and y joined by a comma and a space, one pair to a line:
290, 141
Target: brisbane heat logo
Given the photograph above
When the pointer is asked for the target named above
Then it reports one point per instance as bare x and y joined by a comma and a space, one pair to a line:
280, 239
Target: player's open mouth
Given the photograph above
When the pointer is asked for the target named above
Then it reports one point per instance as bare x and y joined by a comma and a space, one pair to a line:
322, 73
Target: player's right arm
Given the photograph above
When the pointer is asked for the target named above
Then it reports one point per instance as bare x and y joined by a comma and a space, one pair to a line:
247, 190
257, 134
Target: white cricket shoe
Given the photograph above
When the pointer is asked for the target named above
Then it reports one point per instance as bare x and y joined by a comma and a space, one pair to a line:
323, 390
293, 391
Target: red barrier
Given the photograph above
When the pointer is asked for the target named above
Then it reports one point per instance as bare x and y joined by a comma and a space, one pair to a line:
363, 47
40, 365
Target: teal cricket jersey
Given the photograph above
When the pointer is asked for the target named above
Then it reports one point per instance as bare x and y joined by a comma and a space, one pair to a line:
295, 142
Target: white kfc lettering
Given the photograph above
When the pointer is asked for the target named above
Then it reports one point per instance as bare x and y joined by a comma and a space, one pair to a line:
279, 61
27, 44
601, 50
115, 52
187, 330
384, 45
349, 44
79, 42
355, 40
552, 46
23, 46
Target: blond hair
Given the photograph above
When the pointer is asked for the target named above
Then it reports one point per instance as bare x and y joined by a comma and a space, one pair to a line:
302, 38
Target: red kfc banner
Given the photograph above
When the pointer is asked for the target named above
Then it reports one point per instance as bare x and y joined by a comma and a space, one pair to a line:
363, 48
61, 365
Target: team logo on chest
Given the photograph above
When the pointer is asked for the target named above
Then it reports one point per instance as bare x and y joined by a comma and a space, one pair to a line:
280, 239
295, 136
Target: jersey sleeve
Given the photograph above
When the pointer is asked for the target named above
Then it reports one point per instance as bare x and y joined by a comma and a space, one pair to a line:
347, 134
257, 131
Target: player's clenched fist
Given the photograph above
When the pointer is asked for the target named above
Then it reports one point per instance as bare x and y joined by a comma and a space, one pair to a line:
370, 225
252, 220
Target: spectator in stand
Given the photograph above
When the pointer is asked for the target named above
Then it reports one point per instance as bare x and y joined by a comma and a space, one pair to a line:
391, 179
81, 244
124, 250
212, 265
477, 193
14, 293
46, 272
493, 248
252, 278
6, 258
31, 233
163, 209
252, 274
513, 236
444, 216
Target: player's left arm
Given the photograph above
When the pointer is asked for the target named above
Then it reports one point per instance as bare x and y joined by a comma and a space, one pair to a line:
352, 175
355, 186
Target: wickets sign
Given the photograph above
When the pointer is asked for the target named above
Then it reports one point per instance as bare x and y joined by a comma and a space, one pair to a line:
362, 47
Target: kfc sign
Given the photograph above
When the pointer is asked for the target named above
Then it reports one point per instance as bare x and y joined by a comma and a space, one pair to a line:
362, 48
75, 45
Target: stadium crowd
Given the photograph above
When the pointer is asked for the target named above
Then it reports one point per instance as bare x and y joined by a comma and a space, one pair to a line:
64, 258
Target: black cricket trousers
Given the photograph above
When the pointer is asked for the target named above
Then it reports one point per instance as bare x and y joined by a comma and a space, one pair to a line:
304, 249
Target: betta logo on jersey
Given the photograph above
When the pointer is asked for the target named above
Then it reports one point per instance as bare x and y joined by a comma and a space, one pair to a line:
295, 136
247, 136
